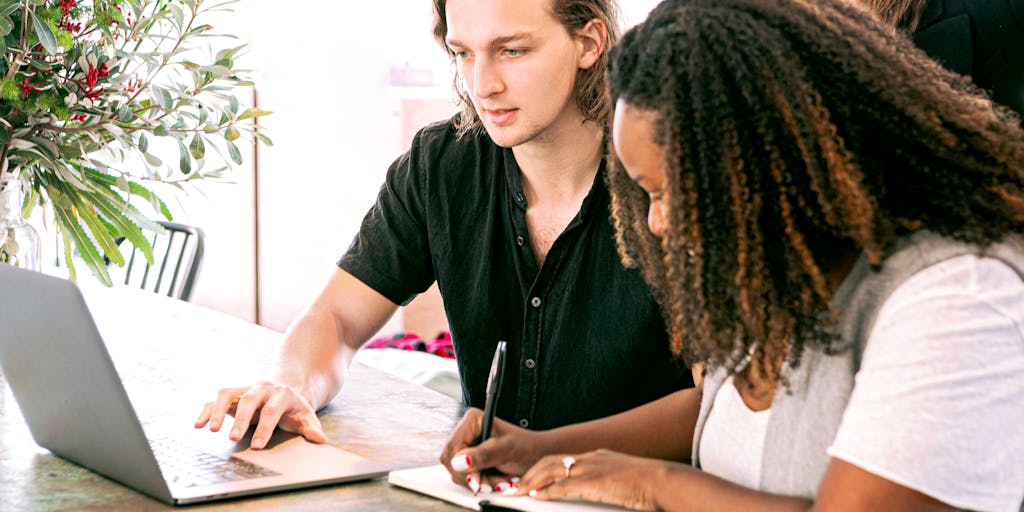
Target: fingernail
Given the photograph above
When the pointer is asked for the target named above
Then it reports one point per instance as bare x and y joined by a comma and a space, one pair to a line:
514, 480
236, 433
473, 484
512, 489
258, 442
502, 486
486, 488
533, 493
214, 425
461, 462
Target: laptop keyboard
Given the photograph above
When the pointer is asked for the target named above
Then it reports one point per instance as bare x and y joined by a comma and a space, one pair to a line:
184, 465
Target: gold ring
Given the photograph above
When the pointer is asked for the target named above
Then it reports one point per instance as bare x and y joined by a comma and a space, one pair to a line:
568, 462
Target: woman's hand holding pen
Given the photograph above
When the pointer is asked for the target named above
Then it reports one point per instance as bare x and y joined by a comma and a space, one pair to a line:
510, 451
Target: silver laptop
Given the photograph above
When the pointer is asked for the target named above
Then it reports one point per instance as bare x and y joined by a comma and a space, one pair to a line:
58, 368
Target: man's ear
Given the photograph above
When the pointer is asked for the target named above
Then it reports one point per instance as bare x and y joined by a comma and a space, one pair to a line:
590, 42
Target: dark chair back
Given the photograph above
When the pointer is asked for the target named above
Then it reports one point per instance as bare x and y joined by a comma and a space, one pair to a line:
177, 255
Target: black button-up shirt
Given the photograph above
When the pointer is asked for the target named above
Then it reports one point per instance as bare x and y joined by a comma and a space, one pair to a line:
585, 336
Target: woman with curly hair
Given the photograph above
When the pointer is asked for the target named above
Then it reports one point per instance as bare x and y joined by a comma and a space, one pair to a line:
831, 222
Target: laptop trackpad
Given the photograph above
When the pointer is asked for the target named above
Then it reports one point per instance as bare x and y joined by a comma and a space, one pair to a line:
293, 455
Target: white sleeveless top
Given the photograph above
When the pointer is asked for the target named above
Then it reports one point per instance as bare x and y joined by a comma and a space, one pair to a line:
733, 442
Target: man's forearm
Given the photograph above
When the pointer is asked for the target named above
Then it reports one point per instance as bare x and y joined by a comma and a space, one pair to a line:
314, 357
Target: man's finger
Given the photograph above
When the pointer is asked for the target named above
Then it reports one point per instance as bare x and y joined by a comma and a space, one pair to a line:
204, 415
226, 399
245, 410
312, 430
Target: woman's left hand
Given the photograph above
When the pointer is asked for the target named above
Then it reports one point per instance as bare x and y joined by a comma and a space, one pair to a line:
601, 476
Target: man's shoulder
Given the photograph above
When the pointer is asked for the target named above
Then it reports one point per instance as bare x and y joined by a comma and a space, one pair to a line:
443, 136
439, 150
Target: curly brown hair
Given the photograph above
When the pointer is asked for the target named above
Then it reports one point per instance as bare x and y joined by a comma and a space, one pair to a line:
591, 85
795, 131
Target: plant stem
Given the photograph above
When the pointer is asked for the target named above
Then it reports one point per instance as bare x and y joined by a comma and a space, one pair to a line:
16, 62
3, 156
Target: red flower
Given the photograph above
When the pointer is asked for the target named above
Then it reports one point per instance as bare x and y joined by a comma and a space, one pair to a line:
65, 20
26, 88
92, 76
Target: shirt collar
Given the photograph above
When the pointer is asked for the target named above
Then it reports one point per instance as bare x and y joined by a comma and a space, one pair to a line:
598, 190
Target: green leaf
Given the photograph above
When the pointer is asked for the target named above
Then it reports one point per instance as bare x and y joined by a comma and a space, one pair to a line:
5, 25
7, 7
236, 155
68, 260
90, 254
102, 231
253, 112
135, 189
227, 54
143, 143
152, 160
185, 162
161, 130
197, 148
123, 221
45, 34
162, 97
124, 114
233, 105
264, 139
231, 133
99, 231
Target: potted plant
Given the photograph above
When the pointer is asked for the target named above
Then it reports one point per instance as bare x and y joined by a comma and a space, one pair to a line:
92, 95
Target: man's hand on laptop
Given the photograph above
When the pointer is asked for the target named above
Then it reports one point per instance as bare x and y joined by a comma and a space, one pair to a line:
267, 405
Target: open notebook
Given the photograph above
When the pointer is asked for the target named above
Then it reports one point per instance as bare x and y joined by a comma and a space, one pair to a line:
435, 481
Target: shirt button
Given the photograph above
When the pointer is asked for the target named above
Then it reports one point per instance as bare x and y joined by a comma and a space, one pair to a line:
530, 363
519, 196
535, 302
520, 240
524, 423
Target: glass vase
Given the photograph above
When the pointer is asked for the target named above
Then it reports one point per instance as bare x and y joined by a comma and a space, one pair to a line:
19, 241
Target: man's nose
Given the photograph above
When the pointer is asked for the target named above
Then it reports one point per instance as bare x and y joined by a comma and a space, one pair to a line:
486, 79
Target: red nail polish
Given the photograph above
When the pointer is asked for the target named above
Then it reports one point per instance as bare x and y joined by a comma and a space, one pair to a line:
468, 478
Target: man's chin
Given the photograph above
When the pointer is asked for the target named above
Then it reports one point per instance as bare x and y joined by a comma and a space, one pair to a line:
505, 137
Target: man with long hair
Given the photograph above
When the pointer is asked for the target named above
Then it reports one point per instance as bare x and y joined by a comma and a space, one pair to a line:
505, 206
833, 224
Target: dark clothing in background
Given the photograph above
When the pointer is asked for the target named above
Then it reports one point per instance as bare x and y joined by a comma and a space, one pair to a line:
982, 39
586, 339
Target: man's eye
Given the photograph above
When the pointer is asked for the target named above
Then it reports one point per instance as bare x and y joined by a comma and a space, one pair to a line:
514, 52
460, 54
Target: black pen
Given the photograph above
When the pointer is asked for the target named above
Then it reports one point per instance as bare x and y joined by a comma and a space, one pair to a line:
494, 379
